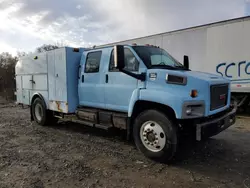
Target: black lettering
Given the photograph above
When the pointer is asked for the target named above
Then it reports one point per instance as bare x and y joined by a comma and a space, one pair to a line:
230, 65
217, 68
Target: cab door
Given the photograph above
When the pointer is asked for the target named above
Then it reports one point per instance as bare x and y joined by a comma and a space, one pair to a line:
119, 87
91, 81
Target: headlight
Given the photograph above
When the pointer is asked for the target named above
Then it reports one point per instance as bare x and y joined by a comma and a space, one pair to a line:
189, 111
193, 109
174, 79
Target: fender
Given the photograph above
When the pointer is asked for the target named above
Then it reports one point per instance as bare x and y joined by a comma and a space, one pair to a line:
133, 99
35, 95
157, 96
38, 95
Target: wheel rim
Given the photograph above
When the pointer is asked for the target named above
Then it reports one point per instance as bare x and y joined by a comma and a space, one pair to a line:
39, 112
152, 136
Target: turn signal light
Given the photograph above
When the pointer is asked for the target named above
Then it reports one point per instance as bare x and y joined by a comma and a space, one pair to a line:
194, 93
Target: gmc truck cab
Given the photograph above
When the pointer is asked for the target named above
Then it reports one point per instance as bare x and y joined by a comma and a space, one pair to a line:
141, 89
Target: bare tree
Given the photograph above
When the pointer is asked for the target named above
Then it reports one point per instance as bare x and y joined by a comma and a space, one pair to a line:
46, 47
7, 75
21, 54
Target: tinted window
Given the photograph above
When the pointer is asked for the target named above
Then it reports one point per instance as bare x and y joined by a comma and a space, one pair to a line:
153, 56
93, 62
166, 60
131, 63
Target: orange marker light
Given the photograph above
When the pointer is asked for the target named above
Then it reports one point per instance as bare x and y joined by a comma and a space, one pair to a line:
76, 50
194, 93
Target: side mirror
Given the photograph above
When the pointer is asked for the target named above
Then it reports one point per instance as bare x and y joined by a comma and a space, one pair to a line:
119, 59
186, 61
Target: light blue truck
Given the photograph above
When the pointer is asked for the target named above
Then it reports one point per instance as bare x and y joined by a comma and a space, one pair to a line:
141, 89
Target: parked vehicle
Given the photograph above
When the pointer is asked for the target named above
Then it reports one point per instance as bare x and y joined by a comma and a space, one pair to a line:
141, 89
219, 48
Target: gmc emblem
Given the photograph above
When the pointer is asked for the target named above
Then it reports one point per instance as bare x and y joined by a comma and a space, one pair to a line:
222, 97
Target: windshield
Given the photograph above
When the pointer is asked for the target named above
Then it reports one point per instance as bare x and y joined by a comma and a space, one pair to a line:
155, 57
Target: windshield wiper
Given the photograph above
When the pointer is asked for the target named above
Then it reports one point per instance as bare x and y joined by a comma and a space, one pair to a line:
182, 67
165, 66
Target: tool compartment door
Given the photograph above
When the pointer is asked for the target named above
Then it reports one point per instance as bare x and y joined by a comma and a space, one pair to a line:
57, 75
60, 74
19, 89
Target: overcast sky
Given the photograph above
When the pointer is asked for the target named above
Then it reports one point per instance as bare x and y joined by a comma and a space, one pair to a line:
26, 24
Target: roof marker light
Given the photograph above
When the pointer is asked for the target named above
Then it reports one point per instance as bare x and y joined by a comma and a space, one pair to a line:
76, 50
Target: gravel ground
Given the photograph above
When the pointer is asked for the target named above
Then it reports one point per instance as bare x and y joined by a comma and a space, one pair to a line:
71, 155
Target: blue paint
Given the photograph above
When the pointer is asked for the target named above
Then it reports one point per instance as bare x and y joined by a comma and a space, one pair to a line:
91, 88
134, 98
174, 95
119, 82
72, 59
247, 8
121, 92
117, 93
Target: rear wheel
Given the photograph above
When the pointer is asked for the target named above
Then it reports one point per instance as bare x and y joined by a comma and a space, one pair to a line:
40, 114
155, 135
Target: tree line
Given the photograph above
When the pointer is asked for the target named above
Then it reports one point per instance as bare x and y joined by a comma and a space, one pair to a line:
7, 70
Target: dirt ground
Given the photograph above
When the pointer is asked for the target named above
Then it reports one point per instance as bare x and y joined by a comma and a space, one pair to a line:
71, 155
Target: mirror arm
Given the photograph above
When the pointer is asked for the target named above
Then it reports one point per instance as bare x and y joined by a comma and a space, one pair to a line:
141, 76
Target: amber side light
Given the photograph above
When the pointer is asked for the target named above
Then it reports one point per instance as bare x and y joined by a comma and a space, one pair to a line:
194, 93
76, 50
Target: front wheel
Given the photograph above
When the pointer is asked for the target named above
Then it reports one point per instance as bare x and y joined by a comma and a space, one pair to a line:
155, 135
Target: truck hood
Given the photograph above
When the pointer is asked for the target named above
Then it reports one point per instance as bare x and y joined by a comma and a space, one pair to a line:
192, 76
170, 91
211, 78
204, 75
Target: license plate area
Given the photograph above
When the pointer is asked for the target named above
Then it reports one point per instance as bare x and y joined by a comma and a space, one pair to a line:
213, 128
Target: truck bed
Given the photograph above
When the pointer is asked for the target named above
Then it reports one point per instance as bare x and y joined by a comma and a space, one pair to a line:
54, 75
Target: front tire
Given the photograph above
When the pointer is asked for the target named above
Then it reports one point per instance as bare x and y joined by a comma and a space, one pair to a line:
155, 135
40, 114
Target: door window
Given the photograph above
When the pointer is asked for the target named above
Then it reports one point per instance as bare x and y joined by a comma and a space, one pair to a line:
93, 62
131, 63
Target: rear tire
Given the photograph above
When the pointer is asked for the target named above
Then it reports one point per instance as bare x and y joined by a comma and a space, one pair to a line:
155, 135
40, 114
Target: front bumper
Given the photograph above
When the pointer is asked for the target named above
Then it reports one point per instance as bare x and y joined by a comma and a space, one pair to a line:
216, 125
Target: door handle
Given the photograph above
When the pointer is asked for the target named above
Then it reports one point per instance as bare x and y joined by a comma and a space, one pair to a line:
79, 73
32, 81
107, 78
82, 78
